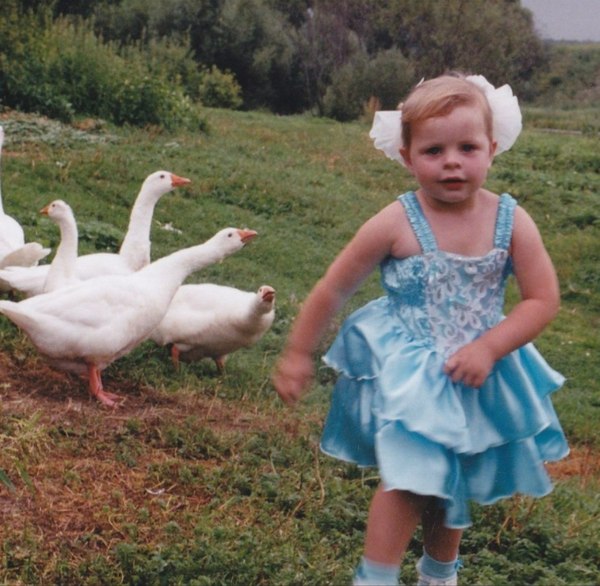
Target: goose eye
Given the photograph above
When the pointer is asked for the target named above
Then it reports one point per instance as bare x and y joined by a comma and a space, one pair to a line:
162, 175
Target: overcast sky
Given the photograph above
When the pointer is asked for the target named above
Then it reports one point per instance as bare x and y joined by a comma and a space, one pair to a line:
568, 20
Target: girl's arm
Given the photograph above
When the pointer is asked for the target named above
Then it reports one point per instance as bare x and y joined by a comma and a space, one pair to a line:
373, 242
540, 300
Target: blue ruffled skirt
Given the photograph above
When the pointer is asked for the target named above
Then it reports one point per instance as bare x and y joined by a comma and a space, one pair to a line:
394, 408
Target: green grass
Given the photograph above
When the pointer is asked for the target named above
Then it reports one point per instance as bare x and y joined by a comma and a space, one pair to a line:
201, 479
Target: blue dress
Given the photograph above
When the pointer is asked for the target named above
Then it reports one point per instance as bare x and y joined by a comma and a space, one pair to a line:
393, 407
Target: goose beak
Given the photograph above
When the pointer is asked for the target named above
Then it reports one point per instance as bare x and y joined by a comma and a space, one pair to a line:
247, 235
45, 210
177, 181
268, 293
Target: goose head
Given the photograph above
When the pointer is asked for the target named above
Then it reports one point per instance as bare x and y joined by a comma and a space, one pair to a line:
266, 293
159, 183
231, 239
224, 243
135, 249
57, 210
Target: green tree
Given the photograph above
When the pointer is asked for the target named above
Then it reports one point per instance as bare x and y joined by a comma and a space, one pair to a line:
254, 42
364, 84
492, 37
123, 23
325, 44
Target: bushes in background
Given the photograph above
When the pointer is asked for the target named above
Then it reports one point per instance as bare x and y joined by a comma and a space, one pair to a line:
157, 61
60, 68
384, 79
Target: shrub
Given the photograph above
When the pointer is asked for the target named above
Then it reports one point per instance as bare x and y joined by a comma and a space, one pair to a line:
387, 78
171, 58
345, 95
60, 68
23, 64
571, 77
219, 89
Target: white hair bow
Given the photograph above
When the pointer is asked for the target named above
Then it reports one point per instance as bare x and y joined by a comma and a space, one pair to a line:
386, 131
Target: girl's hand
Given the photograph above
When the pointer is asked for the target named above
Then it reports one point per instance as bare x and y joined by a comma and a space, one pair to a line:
471, 364
293, 374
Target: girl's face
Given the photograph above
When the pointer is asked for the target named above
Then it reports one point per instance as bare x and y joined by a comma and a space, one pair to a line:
450, 155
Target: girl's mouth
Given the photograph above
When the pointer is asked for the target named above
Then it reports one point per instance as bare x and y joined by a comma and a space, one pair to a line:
453, 182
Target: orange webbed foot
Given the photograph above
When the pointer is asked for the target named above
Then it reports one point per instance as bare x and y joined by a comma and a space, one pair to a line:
97, 391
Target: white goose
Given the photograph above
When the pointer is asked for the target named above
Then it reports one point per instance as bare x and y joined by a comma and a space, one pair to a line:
133, 254
212, 321
13, 250
62, 269
85, 327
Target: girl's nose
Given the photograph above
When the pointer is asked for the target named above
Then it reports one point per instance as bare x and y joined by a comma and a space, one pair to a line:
451, 159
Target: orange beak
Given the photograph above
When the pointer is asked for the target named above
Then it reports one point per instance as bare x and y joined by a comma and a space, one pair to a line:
45, 210
268, 293
247, 235
177, 181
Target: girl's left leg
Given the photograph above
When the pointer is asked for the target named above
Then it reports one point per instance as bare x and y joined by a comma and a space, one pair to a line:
439, 564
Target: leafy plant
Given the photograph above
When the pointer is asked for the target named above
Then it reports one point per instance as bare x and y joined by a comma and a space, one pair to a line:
219, 90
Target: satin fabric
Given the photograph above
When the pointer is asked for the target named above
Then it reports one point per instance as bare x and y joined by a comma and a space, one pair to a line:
393, 407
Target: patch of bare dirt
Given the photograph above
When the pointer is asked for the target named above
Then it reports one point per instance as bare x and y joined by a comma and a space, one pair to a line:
28, 385
583, 462
84, 479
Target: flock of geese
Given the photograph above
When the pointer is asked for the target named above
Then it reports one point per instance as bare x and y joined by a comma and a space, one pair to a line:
82, 313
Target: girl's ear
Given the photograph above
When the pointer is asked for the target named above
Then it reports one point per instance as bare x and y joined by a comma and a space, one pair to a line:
493, 147
405, 154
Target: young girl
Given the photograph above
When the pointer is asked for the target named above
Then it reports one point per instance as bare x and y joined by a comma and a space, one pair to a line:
436, 387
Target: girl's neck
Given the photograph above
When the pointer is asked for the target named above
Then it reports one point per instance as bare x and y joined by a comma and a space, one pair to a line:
468, 205
466, 228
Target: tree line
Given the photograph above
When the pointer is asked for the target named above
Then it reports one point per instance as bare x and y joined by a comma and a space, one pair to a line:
152, 61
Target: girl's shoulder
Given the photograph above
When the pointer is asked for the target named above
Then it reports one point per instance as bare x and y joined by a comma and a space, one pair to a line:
393, 221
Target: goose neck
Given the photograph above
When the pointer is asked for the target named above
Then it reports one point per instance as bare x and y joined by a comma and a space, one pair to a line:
182, 263
137, 237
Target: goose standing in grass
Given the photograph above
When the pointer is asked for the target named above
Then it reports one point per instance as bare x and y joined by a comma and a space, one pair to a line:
133, 254
212, 321
85, 327
62, 269
13, 250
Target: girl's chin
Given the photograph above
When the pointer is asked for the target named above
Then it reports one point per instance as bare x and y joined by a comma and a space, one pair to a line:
449, 196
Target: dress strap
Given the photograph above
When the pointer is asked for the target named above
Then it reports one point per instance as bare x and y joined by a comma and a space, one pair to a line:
504, 221
418, 222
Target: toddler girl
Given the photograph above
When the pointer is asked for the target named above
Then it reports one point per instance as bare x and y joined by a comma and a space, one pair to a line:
436, 387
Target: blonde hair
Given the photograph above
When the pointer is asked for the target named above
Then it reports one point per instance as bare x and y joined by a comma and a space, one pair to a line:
438, 97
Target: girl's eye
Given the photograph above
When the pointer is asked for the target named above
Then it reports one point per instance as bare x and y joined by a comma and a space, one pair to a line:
433, 150
467, 148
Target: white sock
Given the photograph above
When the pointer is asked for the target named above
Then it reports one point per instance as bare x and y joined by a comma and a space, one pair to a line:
370, 573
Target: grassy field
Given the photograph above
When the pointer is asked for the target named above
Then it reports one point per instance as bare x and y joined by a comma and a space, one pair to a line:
201, 479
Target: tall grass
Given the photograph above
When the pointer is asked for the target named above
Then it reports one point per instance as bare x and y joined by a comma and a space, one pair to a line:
201, 479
